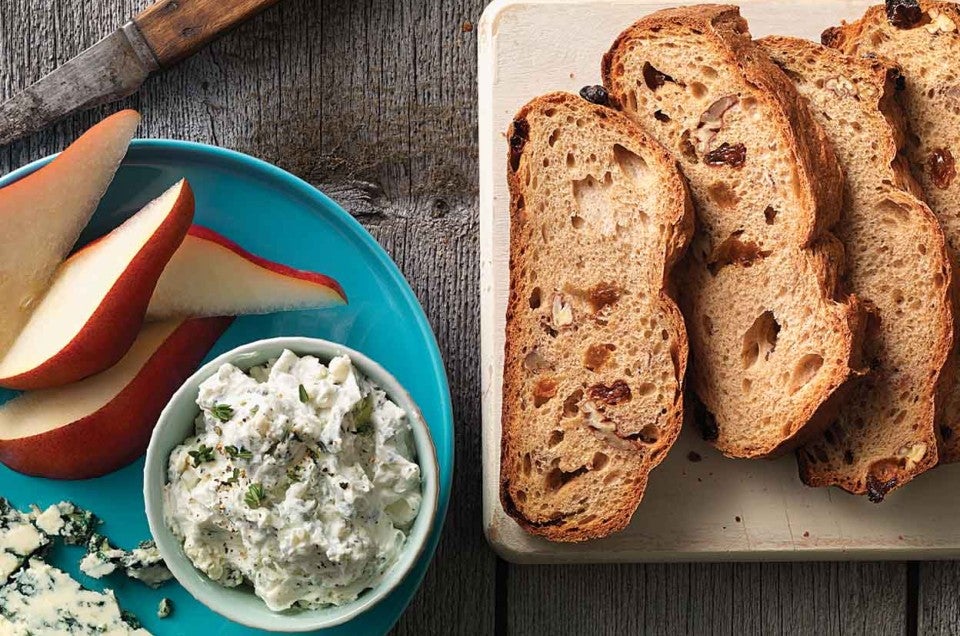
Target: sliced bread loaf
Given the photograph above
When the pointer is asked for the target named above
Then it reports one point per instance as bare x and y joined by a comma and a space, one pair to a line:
884, 434
771, 343
595, 350
923, 39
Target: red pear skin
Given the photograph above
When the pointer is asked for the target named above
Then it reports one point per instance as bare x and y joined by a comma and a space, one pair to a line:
117, 433
207, 234
235, 282
113, 327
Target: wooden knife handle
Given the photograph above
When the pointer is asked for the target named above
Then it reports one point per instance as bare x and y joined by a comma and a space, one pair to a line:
176, 29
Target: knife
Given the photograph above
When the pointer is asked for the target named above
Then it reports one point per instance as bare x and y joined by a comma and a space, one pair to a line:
115, 67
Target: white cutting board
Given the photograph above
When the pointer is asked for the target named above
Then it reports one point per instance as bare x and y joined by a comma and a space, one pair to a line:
717, 508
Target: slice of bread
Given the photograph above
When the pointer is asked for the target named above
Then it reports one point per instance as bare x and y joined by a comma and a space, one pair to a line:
595, 350
771, 343
924, 40
884, 434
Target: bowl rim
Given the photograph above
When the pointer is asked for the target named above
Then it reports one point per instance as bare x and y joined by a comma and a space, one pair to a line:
179, 564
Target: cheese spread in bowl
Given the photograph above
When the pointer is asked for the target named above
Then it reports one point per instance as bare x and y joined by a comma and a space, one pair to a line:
301, 477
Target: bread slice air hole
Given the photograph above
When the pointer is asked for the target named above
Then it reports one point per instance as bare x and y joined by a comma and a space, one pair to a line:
649, 434
804, 371
645, 388
611, 477
535, 298
599, 461
760, 340
571, 405
556, 436
632, 165
557, 478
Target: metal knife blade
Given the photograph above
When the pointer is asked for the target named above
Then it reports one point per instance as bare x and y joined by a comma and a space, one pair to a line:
109, 70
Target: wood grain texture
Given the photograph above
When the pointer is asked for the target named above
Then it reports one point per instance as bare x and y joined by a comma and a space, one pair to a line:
176, 29
374, 101
807, 598
938, 611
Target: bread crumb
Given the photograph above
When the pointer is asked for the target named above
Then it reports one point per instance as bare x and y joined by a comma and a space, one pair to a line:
466, 27
694, 456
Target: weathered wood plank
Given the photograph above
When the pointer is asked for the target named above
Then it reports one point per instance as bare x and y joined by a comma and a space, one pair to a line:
938, 601
770, 598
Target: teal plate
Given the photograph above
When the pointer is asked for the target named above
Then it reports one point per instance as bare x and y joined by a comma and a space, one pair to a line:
278, 216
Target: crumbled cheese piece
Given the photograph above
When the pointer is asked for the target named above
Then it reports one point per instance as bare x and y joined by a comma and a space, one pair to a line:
50, 521
165, 608
143, 563
41, 599
19, 540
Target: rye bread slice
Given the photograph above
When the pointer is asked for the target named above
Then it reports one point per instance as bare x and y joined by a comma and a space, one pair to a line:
595, 350
923, 39
771, 340
885, 433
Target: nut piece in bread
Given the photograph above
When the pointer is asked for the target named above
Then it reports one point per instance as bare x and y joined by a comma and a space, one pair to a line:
596, 349
884, 433
771, 342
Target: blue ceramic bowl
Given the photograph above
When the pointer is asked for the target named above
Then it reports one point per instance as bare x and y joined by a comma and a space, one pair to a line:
239, 604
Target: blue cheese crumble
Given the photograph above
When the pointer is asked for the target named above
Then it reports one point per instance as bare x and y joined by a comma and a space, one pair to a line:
19, 540
301, 481
143, 563
40, 599
26, 534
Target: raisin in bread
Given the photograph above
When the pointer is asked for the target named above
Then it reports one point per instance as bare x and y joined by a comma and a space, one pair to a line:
923, 39
884, 434
596, 350
771, 344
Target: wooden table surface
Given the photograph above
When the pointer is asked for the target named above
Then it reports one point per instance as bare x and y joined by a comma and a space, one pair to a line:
374, 102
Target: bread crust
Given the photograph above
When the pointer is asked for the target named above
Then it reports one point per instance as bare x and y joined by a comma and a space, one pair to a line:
817, 199
929, 102
602, 515
888, 449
